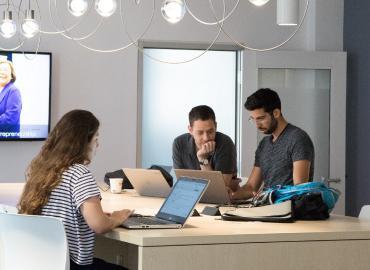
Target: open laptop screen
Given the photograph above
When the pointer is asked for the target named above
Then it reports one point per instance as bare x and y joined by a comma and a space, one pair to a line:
184, 195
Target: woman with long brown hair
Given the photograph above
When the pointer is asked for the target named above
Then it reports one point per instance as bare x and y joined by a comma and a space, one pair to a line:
60, 184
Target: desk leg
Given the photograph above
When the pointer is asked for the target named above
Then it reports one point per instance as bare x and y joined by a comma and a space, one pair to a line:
116, 252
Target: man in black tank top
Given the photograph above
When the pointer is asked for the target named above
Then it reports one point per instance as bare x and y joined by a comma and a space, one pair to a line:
286, 157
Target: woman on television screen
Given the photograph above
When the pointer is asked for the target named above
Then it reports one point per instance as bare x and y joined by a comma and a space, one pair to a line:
10, 102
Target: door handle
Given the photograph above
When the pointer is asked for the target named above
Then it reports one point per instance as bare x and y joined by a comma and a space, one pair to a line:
328, 181
334, 180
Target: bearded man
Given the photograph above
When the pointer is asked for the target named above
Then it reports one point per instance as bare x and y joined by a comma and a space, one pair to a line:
284, 157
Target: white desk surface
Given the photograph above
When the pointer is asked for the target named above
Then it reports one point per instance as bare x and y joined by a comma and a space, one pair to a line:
207, 243
211, 230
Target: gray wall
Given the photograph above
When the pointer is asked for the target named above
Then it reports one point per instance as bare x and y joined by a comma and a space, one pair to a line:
106, 84
357, 44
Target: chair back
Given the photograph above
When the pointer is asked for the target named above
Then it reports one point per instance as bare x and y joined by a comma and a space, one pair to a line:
365, 212
32, 242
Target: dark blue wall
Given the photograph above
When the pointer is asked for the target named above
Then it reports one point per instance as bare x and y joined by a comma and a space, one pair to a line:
356, 40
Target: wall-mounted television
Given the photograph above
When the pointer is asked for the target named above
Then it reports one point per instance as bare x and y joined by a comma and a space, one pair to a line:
25, 103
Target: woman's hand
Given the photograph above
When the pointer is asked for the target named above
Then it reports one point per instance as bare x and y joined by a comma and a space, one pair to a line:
120, 216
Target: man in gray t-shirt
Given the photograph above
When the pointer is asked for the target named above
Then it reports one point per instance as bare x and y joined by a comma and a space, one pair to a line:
286, 157
205, 149
223, 158
276, 158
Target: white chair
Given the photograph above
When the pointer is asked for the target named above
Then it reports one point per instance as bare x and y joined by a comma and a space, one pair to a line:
365, 212
33, 243
8, 209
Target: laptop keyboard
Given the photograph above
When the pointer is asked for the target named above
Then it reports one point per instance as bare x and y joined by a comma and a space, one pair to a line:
146, 220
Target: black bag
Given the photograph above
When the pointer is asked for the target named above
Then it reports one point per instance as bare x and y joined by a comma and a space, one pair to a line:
165, 174
305, 206
126, 183
309, 206
118, 174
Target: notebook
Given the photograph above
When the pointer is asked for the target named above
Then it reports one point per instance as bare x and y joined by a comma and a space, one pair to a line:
216, 191
148, 182
175, 210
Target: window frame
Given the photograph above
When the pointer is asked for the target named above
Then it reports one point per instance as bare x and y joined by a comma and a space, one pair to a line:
147, 44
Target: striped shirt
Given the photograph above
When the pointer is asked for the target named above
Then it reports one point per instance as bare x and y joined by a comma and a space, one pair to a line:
76, 187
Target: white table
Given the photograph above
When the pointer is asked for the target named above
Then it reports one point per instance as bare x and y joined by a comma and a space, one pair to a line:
210, 243
339, 243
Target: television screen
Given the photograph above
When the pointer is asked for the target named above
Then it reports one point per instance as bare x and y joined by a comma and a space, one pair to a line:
25, 80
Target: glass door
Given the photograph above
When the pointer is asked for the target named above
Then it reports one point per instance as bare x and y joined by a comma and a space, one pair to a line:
305, 98
311, 86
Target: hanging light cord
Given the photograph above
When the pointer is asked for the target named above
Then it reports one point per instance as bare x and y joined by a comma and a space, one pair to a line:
186, 60
257, 49
20, 41
66, 31
211, 23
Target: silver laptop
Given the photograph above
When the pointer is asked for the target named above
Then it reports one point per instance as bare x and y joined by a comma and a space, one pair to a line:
148, 182
176, 209
216, 191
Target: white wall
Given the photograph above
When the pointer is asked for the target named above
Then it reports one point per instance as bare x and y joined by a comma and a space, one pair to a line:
106, 84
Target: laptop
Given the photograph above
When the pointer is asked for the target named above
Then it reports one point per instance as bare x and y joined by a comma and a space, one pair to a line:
148, 182
175, 210
216, 192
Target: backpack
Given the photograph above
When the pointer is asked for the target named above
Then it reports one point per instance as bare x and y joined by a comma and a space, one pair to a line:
126, 183
118, 174
309, 206
283, 193
165, 174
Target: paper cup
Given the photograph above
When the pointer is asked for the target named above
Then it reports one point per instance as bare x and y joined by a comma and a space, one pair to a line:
115, 185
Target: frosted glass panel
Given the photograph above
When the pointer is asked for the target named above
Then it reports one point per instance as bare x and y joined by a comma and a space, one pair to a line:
170, 91
305, 98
